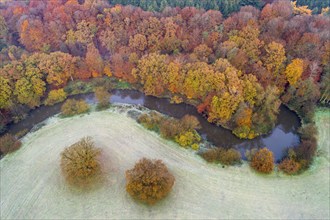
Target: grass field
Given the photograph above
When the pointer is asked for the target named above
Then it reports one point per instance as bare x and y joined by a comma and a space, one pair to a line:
32, 186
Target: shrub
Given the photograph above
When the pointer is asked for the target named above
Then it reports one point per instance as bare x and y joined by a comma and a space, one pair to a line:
55, 96
21, 133
211, 155
169, 128
74, 107
289, 166
190, 122
308, 131
80, 163
188, 138
263, 161
9, 143
229, 157
223, 156
150, 121
250, 153
103, 97
306, 150
149, 181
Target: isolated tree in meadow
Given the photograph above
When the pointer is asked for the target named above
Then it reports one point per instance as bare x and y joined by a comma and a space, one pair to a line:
80, 162
149, 181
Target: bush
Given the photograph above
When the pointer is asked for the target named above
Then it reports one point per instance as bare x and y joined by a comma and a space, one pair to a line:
229, 157
211, 155
223, 156
187, 139
103, 97
306, 150
190, 122
149, 181
9, 143
150, 121
263, 161
79, 162
250, 153
308, 131
55, 96
289, 166
169, 128
74, 107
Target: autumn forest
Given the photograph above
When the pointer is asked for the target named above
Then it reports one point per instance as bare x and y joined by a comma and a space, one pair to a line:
141, 109
237, 70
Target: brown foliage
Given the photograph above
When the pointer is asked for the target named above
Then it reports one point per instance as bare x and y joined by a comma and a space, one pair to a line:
9, 143
103, 97
79, 162
289, 166
190, 122
263, 161
169, 128
149, 181
151, 121
306, 150
224, 156
74, 107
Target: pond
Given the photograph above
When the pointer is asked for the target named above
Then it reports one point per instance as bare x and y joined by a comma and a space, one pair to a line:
283, 135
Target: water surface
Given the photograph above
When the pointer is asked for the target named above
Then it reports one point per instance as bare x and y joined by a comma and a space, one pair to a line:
283, 136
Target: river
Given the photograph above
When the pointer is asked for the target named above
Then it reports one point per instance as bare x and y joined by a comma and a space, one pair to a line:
282, 136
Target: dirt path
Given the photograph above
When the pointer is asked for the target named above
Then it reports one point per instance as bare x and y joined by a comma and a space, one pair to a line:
32, 186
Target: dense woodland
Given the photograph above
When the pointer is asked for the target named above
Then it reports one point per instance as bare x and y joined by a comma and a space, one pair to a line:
236, 70
225, 6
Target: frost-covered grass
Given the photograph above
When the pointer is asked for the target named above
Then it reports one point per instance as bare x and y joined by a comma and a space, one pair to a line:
32, 186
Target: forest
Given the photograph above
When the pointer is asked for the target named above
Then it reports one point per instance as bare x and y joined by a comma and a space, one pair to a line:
120, 106
236, 70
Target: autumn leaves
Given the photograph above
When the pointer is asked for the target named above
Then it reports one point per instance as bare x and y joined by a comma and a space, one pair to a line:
149, 181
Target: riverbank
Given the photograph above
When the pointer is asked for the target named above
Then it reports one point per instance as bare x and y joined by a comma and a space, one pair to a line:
32, 185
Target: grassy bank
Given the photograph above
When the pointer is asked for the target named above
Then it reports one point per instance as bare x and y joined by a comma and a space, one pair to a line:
32, 185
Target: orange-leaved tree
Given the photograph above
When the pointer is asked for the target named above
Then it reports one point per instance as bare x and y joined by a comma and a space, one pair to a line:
149, 181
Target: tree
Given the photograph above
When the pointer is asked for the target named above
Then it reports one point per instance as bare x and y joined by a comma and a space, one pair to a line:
248, 40
263, 161
55, 96
222, 107
108, 40
103, 97
3, 32
59, 67
74, 107
289, 166
9, 143
80, 162
5, 93
274, 59
151, 71
222, 155
138, 42
30, 87
149, 181
202, 52
196, 76
294, 70
94, 61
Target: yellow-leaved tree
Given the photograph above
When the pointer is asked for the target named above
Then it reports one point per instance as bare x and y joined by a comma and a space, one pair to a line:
294, 70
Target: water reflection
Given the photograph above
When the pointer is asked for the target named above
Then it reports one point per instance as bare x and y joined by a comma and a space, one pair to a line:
284, 135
